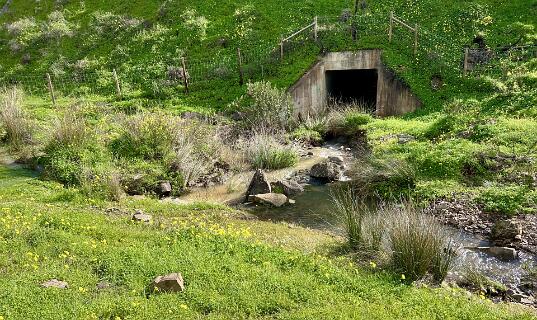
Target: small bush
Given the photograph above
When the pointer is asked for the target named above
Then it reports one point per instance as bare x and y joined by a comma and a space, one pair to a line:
18, 130
443, 125
24, 31
149, 136
264, 151
308, 136
143, 177
70, 130
349, 210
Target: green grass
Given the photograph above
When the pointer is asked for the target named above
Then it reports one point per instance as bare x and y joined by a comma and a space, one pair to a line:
51, 232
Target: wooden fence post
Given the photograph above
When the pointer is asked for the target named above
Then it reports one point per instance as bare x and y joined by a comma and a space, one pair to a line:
281, 49
465, 66
415, 39
51, 89
185, 74
241, 73
390, 31
116, 80
315, 27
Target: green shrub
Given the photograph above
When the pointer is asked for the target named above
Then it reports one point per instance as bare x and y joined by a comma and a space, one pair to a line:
149, 136
265, 107
443, 125
143, 177
307, 135
264, 151
348, 121
349, 210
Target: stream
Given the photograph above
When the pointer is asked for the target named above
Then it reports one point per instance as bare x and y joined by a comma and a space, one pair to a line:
314, 209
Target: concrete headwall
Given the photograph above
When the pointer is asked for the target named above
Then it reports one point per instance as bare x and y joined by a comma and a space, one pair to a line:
393, 96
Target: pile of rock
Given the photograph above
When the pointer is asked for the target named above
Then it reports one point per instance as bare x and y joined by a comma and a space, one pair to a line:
260, 191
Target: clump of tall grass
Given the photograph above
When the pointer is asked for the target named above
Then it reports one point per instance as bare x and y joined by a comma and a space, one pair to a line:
347, 119
18, 130
388, 179
413, 243
350, 212
70, 129
264, 151
418, 244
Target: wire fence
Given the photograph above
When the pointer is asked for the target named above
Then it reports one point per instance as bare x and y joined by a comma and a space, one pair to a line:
324, 34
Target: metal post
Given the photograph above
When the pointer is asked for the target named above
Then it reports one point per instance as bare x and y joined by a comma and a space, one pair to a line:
51, 89
315, 27
185, 74
281, 49
390, 31
465, 66
116, 80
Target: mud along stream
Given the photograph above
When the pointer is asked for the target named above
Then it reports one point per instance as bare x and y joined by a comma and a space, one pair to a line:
314, 209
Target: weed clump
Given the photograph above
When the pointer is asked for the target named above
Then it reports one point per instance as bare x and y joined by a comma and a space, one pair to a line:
264, 151
18, 130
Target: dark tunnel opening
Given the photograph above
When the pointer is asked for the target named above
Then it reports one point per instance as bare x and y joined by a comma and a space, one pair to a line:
348, 86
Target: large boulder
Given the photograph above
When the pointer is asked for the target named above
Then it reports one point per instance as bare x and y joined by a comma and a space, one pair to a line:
259, 184
289, 188
172, 282
326, 170
164, 189
505, 232
270, 199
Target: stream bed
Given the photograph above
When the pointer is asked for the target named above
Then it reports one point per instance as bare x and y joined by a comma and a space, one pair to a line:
314, 209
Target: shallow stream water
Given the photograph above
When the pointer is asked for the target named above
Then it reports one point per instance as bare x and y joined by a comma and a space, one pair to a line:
314, 209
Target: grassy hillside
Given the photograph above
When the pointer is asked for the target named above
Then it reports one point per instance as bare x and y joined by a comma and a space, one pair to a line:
141, 40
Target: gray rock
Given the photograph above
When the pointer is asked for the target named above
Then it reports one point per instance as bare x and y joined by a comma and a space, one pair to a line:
289, 188
502, 253
55, 283
164, 189
336, 159
259, 184
405, 138
140, 216
172, 282
326, 171
505, 232
271, 199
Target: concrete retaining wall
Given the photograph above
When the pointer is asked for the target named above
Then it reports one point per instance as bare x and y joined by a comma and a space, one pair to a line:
393, 96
